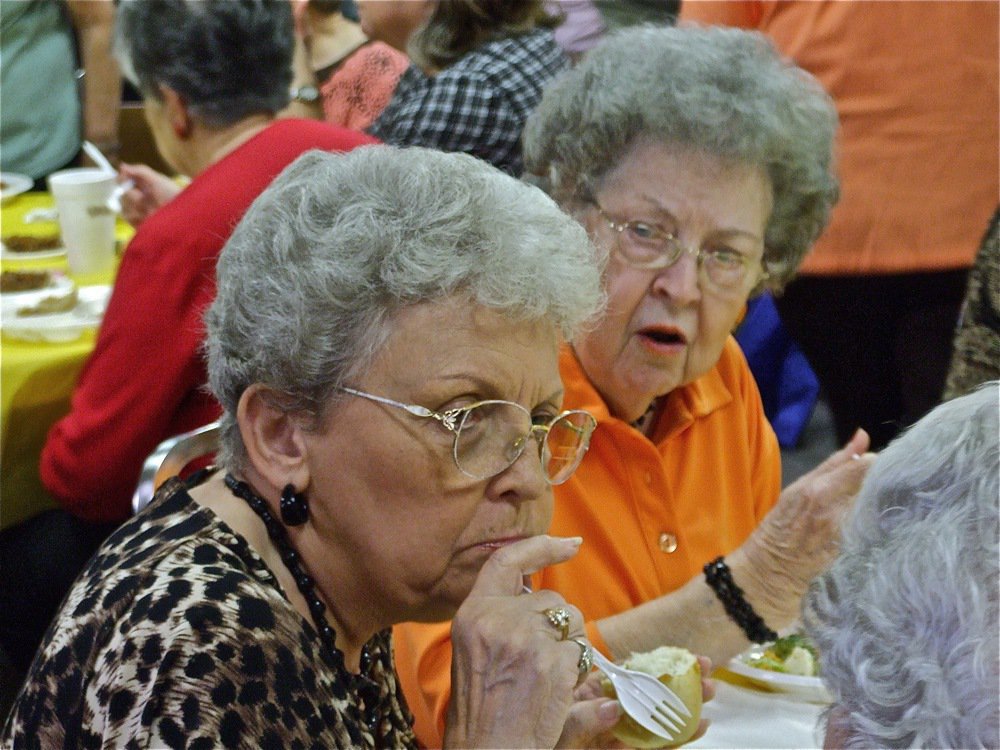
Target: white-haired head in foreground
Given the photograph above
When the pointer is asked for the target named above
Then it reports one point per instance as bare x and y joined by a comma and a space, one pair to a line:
906, 620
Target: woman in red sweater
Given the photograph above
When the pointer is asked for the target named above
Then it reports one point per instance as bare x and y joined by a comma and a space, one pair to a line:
212, 79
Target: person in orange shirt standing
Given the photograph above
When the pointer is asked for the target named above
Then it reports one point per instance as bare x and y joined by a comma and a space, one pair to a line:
916, 86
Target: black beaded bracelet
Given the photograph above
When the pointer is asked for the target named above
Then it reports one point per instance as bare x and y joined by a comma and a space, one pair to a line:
718, 577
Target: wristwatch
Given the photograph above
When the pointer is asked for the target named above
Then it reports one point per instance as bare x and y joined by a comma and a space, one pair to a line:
307, 94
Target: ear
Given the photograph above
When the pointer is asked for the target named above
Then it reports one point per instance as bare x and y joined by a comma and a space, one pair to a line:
178, 115
273, 439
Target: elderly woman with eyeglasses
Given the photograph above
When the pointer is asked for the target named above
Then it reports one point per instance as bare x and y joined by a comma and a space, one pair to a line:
384, 345
703, 163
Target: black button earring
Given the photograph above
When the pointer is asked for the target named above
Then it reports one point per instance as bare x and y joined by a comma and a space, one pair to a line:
294, 507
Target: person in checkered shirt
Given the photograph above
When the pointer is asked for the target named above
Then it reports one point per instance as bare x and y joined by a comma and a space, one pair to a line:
478, 70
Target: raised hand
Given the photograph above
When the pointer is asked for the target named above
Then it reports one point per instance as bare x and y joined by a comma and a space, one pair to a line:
800, 537
514, 676
150, 190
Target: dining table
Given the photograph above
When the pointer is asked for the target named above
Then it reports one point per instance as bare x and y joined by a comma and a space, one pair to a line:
37, 377
746, 714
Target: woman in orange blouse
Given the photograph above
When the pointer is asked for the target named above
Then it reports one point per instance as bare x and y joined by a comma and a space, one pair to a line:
703, 194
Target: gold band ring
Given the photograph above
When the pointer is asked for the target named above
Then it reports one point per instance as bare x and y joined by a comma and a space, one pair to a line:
586, 662
558, 618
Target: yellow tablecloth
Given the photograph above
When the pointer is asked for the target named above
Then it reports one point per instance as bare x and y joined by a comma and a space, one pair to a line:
36, 379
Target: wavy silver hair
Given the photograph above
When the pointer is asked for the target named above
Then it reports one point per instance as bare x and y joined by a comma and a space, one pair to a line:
906, 619
720, 90
312, 277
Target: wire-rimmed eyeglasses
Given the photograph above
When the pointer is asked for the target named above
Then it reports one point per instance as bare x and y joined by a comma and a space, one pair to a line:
648, 246
491, 435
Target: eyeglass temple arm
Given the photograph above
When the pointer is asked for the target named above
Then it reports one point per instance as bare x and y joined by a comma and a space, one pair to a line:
447, 419
414, 409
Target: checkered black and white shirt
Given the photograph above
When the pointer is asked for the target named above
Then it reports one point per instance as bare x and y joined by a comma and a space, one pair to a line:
477, 105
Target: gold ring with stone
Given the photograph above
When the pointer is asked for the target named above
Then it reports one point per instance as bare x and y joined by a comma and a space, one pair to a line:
586, 662
558, 618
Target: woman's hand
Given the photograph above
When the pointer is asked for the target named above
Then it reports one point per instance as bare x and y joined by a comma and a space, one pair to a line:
800, 537
150, 190
584, 726
707, 693
591, 717
514, 679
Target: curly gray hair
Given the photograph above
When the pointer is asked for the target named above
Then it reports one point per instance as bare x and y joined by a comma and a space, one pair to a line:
720, 90
906, 620
312, 277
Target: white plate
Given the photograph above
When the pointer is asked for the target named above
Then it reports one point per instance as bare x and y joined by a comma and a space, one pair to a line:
59, 327
5, 254
14, 184
58, 286
810, 689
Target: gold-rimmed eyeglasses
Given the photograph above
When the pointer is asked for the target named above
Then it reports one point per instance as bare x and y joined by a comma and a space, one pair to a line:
489, 436
648, 246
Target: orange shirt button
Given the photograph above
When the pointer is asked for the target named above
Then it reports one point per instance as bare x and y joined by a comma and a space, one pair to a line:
668, 542
648, 478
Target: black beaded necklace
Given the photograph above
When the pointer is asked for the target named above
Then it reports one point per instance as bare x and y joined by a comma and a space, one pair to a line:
366, 688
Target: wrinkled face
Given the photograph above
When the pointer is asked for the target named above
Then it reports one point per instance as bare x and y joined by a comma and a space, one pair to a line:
410, 528
666, 327
392, 21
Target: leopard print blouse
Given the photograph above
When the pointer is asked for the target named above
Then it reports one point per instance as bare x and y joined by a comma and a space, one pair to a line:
177, 635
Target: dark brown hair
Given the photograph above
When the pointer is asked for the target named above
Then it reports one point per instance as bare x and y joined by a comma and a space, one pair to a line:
457, 27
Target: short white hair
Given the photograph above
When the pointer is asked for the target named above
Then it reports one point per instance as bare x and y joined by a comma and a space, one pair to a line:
906, 620
312, 278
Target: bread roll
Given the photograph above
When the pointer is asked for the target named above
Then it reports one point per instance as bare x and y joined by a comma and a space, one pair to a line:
680, 671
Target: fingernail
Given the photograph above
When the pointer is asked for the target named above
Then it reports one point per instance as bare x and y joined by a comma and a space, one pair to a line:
573, 541
856, 456
609, 711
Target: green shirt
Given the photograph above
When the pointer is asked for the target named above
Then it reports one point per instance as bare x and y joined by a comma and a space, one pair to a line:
40, 119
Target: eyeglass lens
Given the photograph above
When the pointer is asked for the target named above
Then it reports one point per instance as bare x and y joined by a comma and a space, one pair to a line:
492, 435
566, 444
725, 267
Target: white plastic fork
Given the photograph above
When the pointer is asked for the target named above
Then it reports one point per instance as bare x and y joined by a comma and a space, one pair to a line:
115, 199
652, 704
